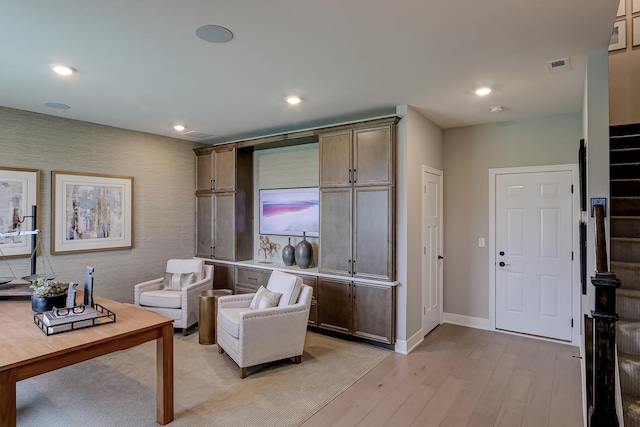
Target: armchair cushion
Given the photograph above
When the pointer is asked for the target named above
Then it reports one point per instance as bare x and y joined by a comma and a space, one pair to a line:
177, 281
264, 298
286, 284
162, 298
229, 320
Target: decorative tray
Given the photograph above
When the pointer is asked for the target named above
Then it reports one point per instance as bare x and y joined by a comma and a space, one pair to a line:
104, 316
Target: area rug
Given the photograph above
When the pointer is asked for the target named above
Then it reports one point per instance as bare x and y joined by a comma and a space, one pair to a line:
119, 389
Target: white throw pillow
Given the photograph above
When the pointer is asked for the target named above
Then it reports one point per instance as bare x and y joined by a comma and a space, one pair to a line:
177, 281
264, 298
287, 284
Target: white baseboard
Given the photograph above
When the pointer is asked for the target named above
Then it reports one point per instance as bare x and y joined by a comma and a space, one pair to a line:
406, 346
471, 322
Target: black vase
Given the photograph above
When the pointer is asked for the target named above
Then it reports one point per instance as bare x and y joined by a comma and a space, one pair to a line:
42, 304
304, 252
288, 254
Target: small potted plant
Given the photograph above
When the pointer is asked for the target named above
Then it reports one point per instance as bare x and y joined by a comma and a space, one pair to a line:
47, 294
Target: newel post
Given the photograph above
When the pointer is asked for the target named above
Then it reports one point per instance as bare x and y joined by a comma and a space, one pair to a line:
605, 318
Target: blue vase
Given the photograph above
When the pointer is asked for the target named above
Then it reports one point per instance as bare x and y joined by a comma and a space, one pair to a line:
304, 252
288, 254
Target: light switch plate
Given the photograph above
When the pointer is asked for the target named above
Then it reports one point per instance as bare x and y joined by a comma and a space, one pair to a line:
481, 242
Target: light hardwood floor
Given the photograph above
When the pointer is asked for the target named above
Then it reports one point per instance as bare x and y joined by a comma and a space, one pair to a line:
465, 377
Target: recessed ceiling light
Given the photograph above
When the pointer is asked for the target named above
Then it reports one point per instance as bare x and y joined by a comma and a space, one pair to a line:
214, 34
294, 100
483, 91
63, 70
179, 128
57, 105
497, 109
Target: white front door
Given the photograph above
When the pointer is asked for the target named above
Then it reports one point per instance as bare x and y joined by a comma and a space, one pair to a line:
432, 249
533, 245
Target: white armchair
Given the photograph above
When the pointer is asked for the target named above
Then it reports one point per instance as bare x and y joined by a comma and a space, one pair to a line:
176, 295
260, 335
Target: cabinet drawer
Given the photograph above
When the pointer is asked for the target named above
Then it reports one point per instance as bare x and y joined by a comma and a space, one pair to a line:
252, 277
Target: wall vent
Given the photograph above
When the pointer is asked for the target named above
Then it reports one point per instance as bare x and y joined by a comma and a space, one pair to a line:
559, 65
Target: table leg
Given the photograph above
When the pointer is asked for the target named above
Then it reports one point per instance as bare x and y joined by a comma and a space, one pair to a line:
164, 376
8, 399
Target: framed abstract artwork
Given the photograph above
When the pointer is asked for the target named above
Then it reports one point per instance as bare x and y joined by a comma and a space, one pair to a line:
618, 36
19, 191
91, 212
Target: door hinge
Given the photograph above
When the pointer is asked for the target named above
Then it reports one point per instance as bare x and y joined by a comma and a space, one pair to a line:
424, 250
424, 189
572, 323
424, 310
571, 188
571, 255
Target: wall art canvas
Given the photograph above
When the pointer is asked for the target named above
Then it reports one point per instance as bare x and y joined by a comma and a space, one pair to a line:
91, 212
18, 193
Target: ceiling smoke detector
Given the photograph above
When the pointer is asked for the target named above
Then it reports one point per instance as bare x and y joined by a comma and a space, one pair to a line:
559, 65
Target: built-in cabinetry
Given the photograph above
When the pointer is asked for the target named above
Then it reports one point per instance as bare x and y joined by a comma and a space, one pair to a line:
224, 207
357, 202
359, 309
353, 286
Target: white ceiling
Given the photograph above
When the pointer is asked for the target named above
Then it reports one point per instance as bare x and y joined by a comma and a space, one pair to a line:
141, 66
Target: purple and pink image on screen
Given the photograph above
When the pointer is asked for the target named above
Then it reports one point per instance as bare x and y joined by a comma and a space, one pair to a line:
290, 211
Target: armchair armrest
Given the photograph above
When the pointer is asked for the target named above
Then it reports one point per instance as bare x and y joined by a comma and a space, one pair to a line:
236, 301
150, 285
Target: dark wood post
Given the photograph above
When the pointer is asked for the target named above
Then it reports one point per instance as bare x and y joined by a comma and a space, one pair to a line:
605, 318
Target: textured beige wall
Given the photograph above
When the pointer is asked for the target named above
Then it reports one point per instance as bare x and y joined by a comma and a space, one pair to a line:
469, 153
624, 87
285, 167
163, 205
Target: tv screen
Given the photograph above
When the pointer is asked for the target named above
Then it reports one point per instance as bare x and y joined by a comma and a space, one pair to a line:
290, 211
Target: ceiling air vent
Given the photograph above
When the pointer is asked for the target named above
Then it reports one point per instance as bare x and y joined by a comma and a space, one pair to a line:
196, 135
559, 65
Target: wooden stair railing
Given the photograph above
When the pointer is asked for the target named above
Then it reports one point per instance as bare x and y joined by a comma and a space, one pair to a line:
604, 326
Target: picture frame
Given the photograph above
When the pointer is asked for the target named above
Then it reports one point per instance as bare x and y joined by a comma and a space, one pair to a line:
91, 212
618, 36
636, 31
19, 191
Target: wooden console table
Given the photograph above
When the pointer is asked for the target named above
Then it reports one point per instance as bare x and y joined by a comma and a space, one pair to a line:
27, 352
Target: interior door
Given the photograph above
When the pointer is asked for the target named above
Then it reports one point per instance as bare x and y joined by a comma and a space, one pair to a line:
534, 253
432, 250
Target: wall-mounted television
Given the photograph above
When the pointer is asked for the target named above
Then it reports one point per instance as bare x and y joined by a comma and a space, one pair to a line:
290, 211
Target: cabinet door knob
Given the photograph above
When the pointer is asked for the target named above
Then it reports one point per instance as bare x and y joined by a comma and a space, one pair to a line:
354, 266
349, 266
502, 264
350, 172
355, 175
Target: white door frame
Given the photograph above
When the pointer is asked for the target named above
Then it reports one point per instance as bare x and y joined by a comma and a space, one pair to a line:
576, 291
439, 173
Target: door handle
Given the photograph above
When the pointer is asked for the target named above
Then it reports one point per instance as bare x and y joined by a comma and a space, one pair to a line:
440, 257
502, 264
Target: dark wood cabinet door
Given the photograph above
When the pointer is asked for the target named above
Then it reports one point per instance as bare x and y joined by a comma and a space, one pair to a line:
336, 159
374, 312
313, 313
373, 156
225, 170
335, 228
334, 305
373, 233
204, 172
204, 226
224, 232
223, 276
